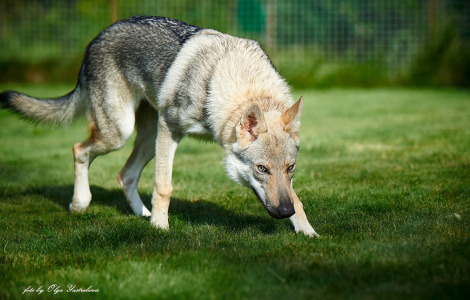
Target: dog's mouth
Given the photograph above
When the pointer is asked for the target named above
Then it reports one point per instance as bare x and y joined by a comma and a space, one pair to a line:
272, 212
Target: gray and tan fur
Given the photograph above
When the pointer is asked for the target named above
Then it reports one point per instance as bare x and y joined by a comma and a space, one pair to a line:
169, 80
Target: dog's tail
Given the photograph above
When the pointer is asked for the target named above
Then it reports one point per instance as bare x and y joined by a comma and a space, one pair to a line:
59, 111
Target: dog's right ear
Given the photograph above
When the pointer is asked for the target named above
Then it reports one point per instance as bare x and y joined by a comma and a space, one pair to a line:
251, 125
291, 118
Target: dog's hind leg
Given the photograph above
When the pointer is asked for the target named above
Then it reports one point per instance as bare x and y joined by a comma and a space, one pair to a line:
143, 152
110, 127
81, 193
166, 145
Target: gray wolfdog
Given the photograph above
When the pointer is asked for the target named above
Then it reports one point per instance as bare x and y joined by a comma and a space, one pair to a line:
169, 79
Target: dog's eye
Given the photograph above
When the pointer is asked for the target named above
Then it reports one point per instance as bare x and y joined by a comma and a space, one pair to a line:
262, 168
291, 168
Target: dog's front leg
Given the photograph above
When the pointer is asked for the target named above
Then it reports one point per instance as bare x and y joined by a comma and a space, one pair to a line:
165, 151
299, 219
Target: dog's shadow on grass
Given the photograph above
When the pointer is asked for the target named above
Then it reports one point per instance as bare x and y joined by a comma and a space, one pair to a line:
194, 212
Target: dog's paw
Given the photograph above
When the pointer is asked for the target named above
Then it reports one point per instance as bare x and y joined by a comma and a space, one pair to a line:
146, 213
76, 209
160, 223
301, 225
311, 234
308, 231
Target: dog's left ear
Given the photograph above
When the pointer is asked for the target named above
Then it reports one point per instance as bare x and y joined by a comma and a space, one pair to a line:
251, 125
291, 118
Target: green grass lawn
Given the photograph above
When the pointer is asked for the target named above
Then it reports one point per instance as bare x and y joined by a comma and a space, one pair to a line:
384, 176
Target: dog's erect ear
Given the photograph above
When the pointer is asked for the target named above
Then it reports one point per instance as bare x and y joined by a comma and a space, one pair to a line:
251, 125
291, 118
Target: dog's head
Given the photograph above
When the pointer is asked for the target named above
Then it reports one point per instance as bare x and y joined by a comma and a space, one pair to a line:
264, 154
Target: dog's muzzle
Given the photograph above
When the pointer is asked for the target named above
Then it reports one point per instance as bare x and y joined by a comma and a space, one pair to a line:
284, 210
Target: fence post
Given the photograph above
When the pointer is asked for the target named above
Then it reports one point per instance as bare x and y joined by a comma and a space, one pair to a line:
270, 25
432, 14
114, 13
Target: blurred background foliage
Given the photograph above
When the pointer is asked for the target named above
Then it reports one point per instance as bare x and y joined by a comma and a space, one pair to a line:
319, 43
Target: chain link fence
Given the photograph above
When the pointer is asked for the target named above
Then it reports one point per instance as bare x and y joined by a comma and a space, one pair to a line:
384, 39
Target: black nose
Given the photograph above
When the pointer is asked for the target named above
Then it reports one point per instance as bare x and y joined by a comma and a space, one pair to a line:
286, 210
